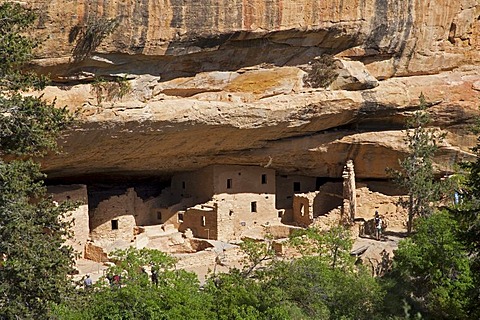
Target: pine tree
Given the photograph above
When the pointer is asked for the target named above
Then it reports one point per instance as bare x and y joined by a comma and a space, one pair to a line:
467, 212
34, 260
417, 172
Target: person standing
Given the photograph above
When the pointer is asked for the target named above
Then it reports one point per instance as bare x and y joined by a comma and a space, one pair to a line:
88, 282
155, 276
378, 226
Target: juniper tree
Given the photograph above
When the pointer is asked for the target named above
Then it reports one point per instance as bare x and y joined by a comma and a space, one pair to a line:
35, 261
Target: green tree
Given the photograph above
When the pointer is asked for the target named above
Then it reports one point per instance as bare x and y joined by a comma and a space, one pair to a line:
467, 213
176, 296
323, 284
35, 261
433, 268
416, 176
333, 246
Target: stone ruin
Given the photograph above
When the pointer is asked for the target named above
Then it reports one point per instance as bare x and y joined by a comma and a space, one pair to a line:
349, 207
226, 203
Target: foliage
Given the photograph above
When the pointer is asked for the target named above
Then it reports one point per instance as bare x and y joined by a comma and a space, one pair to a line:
36, 262
238, 297
433, 268
322, 73
304, 288
110, 89
323, 284
29, 125
90, 36
257, 253
467, 214
16, 49
416, 176
333, 246
177, 295
33, 274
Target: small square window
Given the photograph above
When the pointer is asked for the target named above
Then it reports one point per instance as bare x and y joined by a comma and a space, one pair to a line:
114, 224
253, 206
229, 183
296, 186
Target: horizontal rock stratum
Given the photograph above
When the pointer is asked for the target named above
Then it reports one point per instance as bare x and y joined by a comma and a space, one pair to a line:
223, 82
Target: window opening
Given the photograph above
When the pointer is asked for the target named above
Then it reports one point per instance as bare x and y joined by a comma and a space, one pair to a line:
296, 186
114, 224
253, 206
203, 221
180, 217
229, 183
264, 179
183, 185
159, 215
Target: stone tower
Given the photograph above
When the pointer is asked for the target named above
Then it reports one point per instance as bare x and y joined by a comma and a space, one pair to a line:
349, 194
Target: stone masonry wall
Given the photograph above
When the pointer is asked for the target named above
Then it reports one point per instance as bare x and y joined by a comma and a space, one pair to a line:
303, 208
202, 221
128, 210
79, 216
236, 216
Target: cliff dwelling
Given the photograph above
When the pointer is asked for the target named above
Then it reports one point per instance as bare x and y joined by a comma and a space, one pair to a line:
219, 202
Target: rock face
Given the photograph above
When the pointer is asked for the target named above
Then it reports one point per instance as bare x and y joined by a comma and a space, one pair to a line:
194, 83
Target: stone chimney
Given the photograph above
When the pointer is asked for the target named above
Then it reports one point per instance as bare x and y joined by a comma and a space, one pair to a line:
349, 194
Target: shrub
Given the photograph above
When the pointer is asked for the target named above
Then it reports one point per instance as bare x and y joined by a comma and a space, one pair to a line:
322, 73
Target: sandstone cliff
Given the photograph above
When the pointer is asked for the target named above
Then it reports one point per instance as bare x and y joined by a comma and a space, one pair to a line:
223, 82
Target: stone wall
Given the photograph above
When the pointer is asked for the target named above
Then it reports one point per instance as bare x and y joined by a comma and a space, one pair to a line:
349, 192
222, 202
303, 208
287, 186
243, 213
243, 179
198, 185
328, 198
202, 220
387, 206
79, 216
116, 217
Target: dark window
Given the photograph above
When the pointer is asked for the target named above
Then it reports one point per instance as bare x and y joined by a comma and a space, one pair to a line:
296, 186
253, 206
230, 213
264, 179
114, 224
280, 214
229, 183
159, 215
180, 217
183, 185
